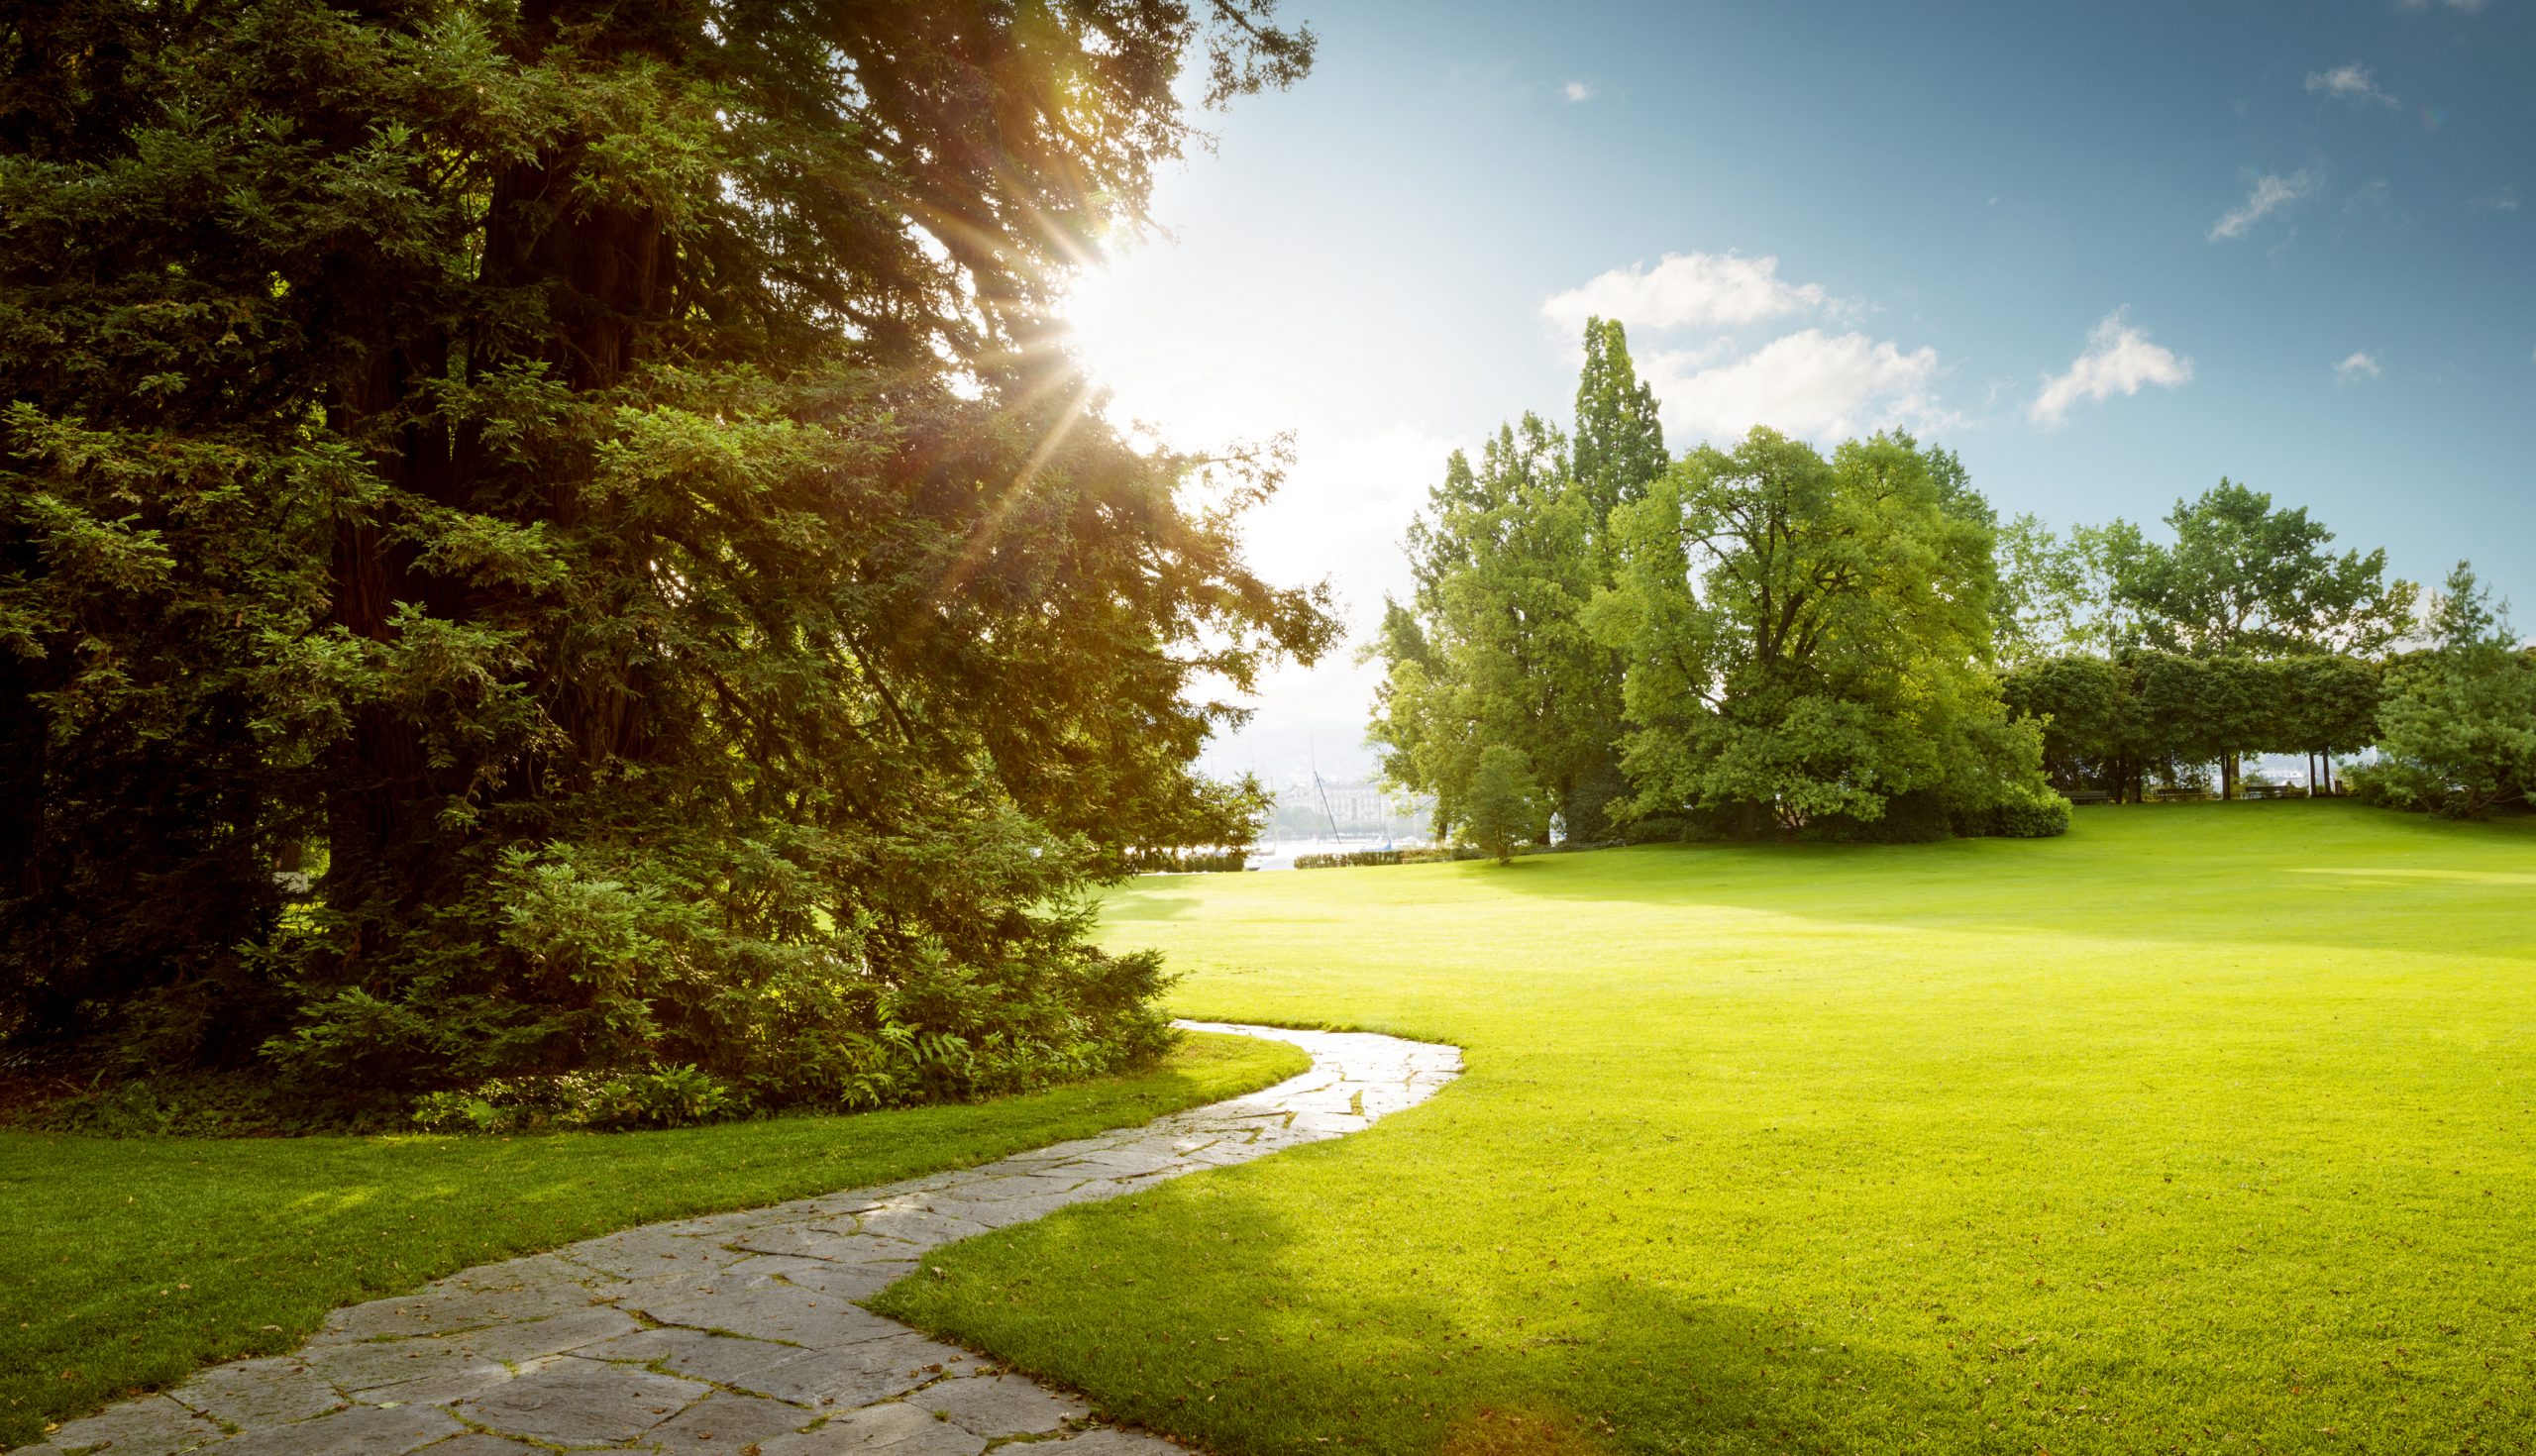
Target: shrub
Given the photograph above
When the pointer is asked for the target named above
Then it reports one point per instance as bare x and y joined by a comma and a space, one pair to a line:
664, 1097
1661, 829
2044, 816
1187, 860
1916, 817
1351, 859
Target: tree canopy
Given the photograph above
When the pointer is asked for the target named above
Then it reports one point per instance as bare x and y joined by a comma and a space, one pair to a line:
596, 483
1809, 637
2242, 577
1493, 649
2459, 725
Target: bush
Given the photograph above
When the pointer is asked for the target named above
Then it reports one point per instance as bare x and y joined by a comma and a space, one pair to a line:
664, 1096
1351, 859
875, 1016
1916, 817
1187, 860
1661, 829
2045, 817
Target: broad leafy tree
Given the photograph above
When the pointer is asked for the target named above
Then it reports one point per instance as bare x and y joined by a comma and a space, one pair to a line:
2097, 734
1810, 637
592, 483
2110, 722
2245, 577
1493, 650
2041, 604
1493, 647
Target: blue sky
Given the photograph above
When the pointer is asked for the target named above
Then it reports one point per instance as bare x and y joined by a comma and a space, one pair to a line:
2295, 244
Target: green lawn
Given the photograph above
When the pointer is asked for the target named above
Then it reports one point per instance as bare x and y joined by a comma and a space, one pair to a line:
2206, 1128
129, 1264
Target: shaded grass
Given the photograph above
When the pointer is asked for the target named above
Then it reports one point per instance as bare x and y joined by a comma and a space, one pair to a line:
129, 1264
2207, 1127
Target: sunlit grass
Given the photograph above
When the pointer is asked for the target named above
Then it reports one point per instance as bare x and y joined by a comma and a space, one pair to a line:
2205, 1128
129, 1264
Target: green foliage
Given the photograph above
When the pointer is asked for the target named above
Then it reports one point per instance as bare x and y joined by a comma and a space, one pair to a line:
2242, 579
1350, 859
1656, 829
594, 478
2113, 723
667, 1097
2246, 578
2043, 816
1809, 638
1187, 860
1618, 450
1503, 804
1917, 817
1494, 646
2460, 727
2042, 599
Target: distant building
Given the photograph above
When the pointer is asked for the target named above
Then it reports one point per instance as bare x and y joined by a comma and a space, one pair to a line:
1356, 808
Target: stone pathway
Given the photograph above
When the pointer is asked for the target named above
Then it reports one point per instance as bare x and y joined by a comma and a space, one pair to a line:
738, 1334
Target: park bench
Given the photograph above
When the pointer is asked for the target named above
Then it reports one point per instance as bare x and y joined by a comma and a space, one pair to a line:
2086, 796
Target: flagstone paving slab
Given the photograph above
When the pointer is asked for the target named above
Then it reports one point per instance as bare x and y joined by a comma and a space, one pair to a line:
738, 1331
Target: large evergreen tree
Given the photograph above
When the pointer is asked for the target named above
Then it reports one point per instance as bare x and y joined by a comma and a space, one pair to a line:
596, 482
2460, 723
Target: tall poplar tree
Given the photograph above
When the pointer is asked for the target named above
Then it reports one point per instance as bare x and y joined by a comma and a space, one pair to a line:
595, 484
1618, 449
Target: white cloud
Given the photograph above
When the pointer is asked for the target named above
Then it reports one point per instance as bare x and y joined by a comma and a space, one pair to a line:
2269, 194
2118, 360
1689, 291
2495, 199
2360, 367
2351, 83
1808, 383
1578, 92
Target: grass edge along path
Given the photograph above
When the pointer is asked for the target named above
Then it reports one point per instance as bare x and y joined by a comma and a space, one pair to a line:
130, 1264
2207, 1129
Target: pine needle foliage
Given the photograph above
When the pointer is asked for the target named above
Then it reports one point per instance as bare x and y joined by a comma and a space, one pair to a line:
541, 535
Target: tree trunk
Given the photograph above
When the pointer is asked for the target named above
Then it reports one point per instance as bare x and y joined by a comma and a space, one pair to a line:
604, 272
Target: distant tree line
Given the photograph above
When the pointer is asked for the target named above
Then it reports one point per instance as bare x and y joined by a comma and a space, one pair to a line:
2159, 663
1770, 638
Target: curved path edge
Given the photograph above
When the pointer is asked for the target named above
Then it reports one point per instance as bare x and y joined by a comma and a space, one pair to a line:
738, 1332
